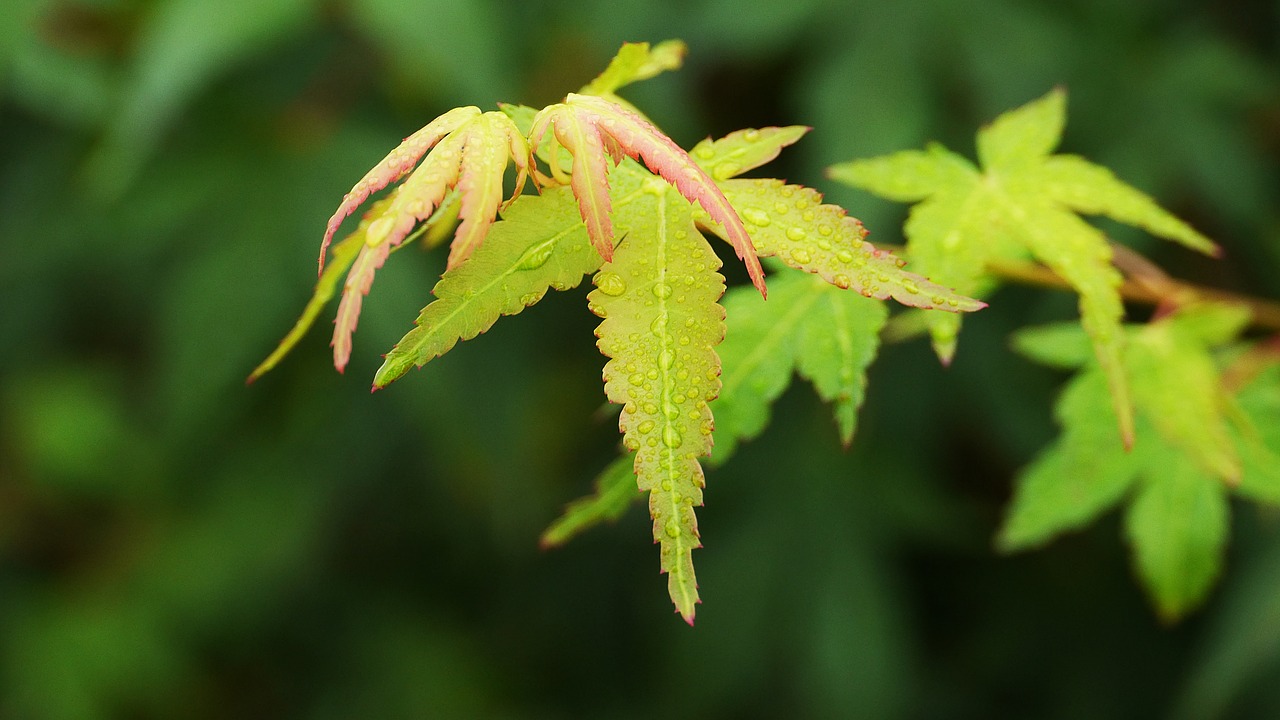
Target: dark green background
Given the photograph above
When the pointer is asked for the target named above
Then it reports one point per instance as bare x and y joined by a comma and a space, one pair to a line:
176, 545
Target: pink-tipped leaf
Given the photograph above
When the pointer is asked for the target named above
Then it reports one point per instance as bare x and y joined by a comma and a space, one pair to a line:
639, 139
398, 162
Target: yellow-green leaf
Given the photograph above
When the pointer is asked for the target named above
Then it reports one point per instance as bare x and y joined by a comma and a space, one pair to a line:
661, 325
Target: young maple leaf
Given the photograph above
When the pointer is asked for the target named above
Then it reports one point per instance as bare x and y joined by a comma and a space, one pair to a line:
1023, 201
1197, 441
590, 127
465, 149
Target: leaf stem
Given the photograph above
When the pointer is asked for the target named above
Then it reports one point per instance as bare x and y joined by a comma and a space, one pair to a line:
1144, 283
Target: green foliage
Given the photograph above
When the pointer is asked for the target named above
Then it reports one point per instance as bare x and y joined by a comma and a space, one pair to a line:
658, 287
172, 544
1193, 435
1022, 201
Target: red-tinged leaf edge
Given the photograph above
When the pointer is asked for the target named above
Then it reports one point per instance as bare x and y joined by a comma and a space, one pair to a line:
393, 167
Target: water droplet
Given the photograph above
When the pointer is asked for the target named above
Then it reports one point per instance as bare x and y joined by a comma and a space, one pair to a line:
646, 427
672, 529
706, 152
536, 256
755, 216
528, 299
629, 408
726, 170
796, 234
910, 286
807, 217
844, 256
788, 191
938, 299
671, 437
378, 231
824, 230
662, 290
666, 359
659, 325
611, 283
666, 485
636, 378
882, 277
650, 409
842, 281
712, 374
672, 414
468, 294
631, 443
801, 256
750, 135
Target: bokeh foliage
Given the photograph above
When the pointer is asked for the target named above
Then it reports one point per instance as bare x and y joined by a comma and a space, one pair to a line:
173, 544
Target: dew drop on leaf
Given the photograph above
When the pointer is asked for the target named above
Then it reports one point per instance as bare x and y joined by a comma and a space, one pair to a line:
671, 437
844, 256
662, 290
801, 256
842, 281
611, 284
378, 231
756, 216
537, 256
725, 170
795, 233
672, 530
645, 427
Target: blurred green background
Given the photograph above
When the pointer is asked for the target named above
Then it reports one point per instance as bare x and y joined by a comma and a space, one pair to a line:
176, 545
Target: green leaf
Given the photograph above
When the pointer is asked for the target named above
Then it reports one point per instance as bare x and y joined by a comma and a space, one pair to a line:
791, 223
1023, 200
661, 325
1079, 477
1177, 385
744, 150
829, 334
1178, 527
539, 244
1093, 190
1025, 136
615, 492
635, 62
1194, 443
1063, 345
907, 176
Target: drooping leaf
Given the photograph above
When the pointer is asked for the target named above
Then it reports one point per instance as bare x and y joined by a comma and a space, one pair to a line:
661, 325
589, 125
615, 492
470, 153
1022, 200
394, 166
1194, 443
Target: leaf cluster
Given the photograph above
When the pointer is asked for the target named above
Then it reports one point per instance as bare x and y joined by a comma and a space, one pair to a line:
694, 375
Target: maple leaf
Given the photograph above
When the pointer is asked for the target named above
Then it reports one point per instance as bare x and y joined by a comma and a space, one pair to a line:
660, 326
467, 150
1023, 201
590, 127
540, 244
1196, 443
